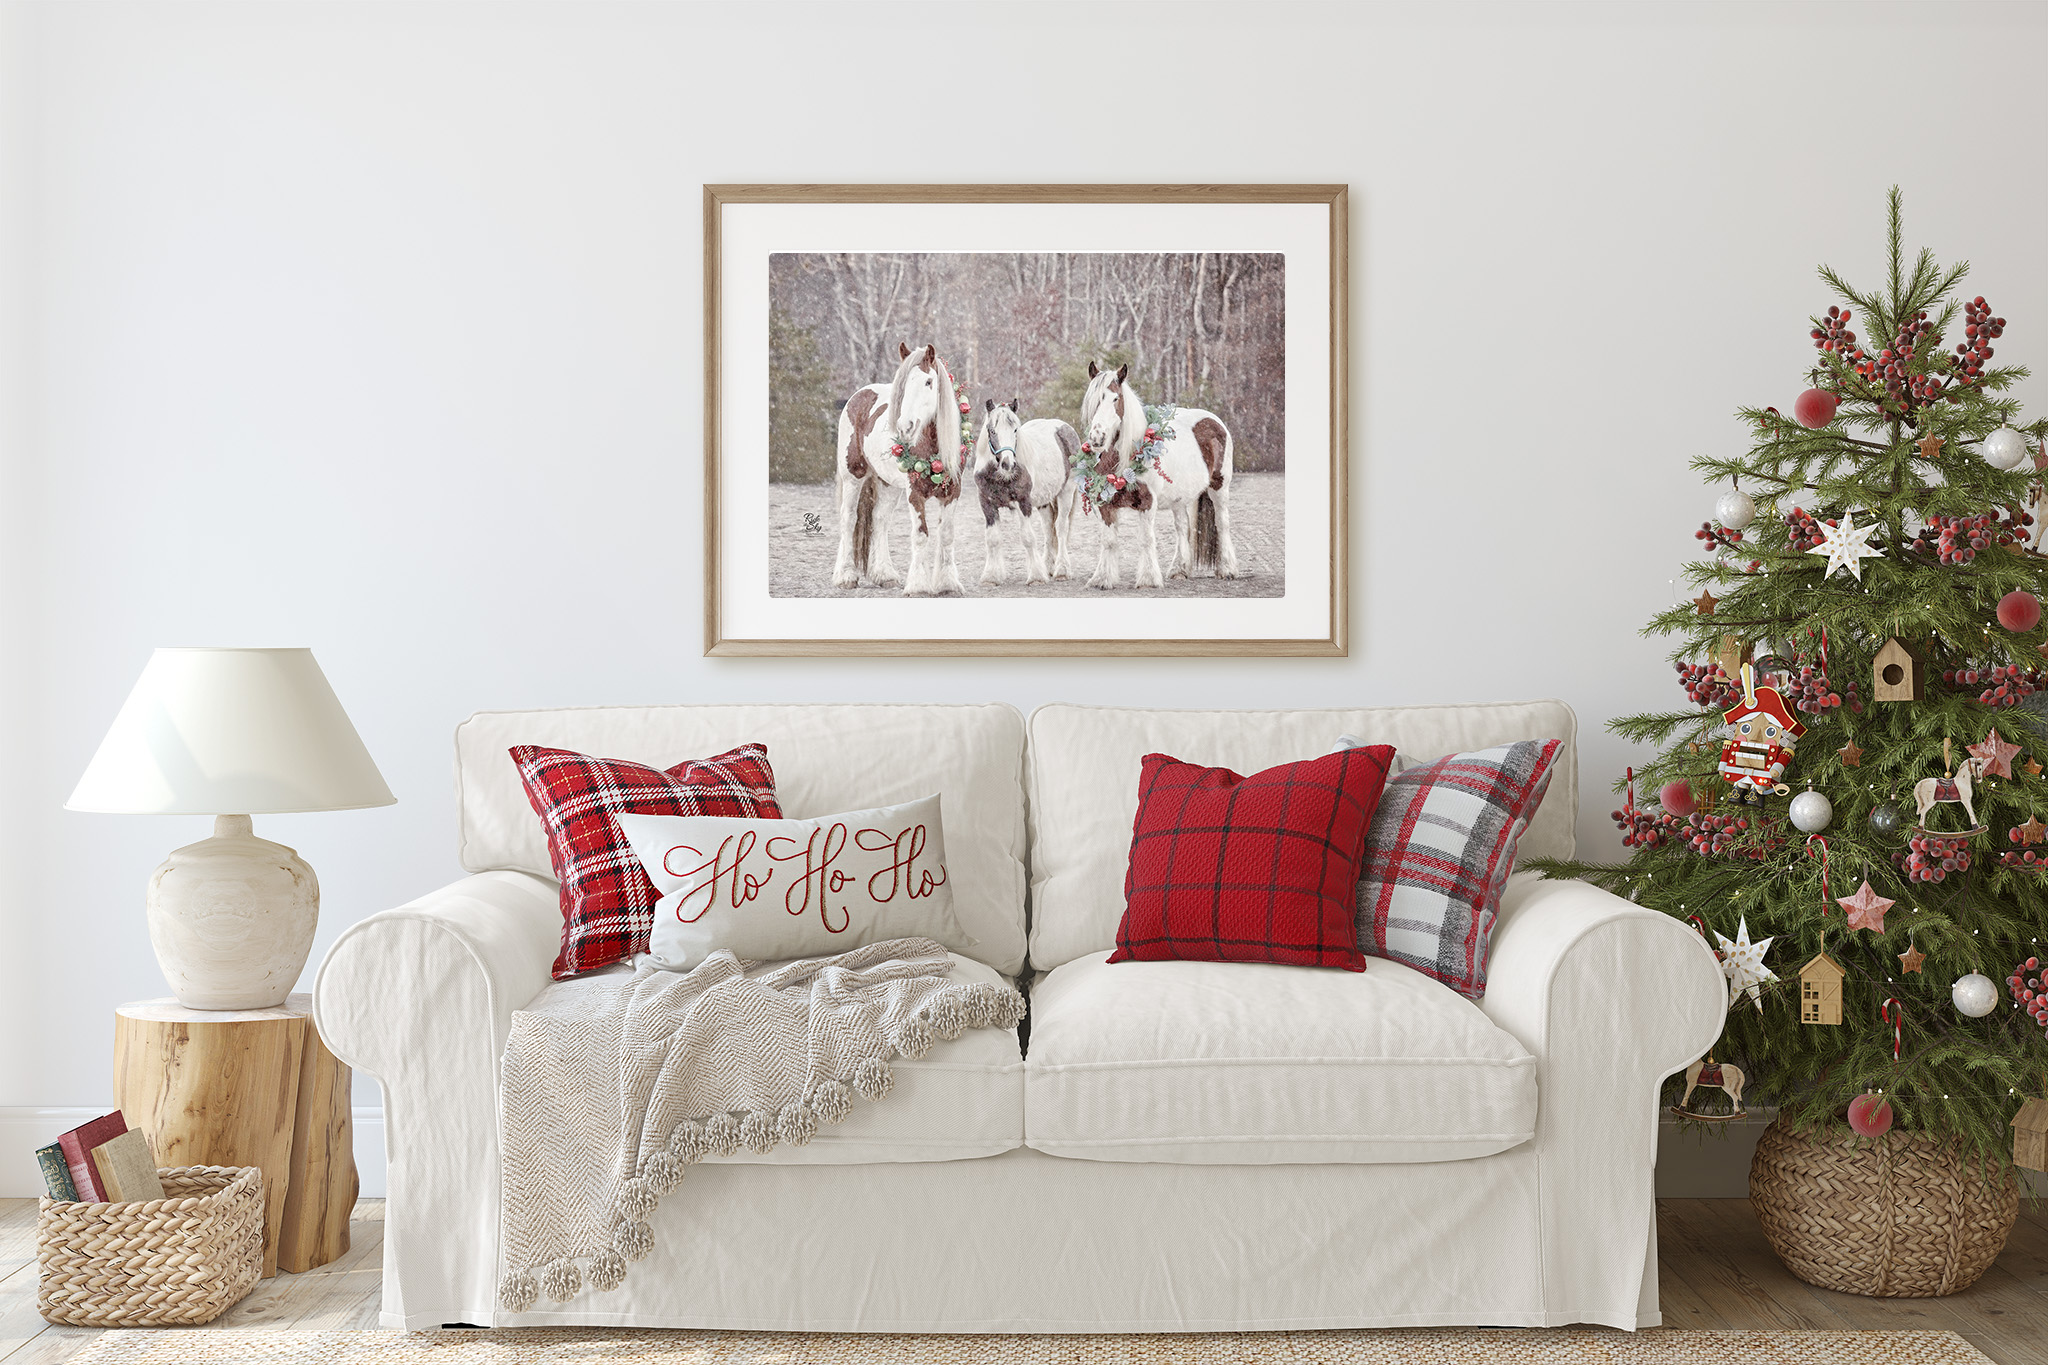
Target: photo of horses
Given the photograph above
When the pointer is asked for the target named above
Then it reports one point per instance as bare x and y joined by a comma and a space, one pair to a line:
1019, 425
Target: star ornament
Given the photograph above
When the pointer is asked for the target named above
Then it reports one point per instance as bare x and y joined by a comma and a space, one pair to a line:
1847, 546
1706, 602
1866, 908
2031, 832
1996, 755
1930, 447
1852, 757
1742, 962
1910, 960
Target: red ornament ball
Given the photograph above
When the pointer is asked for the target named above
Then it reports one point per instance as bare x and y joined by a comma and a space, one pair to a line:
2019, 611
1870, 1115
1815, 408
1677, 798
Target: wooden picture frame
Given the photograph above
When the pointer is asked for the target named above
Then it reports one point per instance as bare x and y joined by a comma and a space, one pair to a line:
746, 615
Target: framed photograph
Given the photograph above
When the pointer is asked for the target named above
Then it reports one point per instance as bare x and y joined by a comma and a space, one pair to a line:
1025, 419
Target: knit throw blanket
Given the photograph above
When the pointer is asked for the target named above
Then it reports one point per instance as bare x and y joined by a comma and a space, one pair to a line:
613, 1085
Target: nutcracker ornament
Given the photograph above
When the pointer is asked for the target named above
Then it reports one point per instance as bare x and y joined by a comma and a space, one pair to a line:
1764, 734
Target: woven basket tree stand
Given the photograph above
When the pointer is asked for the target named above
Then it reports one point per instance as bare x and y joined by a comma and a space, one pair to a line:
1901, 1216
176, 1261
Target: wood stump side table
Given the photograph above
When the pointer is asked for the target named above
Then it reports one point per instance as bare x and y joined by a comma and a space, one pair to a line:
247, 1088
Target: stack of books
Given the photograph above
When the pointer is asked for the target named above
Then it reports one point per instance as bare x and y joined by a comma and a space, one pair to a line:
102, 1162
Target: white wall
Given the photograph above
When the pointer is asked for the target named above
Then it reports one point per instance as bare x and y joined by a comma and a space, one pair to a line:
349, 322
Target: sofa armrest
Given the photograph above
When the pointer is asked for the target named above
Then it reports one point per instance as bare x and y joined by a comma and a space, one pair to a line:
1610, 998
422, 997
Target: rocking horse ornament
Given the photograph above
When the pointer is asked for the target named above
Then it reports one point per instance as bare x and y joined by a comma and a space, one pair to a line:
1708, 1074
1959, 788
1764, 736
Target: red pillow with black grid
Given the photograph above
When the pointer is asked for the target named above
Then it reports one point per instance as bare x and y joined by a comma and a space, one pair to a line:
1250, 869
607, 900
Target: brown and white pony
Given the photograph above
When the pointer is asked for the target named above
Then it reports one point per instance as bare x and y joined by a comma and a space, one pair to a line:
1026, 468
1191, 480
918, 410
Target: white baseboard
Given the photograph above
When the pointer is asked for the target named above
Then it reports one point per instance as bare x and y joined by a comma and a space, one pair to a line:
23, 1130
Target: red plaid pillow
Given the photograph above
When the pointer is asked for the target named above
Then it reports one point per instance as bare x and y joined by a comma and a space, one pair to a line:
1250, 869
607, 900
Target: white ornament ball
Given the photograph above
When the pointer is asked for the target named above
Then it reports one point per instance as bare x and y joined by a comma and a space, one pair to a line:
1812, 812
1974, 995
2005, 449
1734, 510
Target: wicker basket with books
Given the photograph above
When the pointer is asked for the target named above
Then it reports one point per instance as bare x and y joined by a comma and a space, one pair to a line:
180, 1260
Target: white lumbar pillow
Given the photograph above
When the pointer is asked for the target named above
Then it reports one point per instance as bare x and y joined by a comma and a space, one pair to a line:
774, 889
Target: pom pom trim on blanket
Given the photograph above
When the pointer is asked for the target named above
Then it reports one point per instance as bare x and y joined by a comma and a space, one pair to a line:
950, 1012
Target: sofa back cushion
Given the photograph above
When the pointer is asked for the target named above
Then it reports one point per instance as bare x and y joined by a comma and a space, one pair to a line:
826, 758
1084, 764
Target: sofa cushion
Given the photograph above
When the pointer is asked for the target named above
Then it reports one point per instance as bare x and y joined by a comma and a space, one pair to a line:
1439, 853
964, 1098
608, 902
1084, 787
827, 758
1250, 869
776, 889
1254, 1064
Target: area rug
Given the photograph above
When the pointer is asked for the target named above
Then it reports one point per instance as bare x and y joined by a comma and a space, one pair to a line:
1443, 1346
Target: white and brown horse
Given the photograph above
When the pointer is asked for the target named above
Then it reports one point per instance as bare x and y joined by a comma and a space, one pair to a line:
1189, 478
917, 414
1026, 468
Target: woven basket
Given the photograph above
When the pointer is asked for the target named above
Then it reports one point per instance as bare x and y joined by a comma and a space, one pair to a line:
1901, 1216
186, 1258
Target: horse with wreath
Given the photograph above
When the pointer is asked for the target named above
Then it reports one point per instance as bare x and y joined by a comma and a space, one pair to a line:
903, 435
1144, 458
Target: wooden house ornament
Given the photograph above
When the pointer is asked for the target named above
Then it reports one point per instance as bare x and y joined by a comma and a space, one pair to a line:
2030, 1136
1897, 674
1732, 654
1820, 991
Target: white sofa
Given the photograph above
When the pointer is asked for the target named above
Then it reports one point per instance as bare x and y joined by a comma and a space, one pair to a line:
1183, 1147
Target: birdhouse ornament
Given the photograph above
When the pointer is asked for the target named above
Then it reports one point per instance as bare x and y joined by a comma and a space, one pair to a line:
1763, 733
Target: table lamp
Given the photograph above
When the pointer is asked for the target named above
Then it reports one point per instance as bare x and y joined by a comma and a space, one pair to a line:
247, 731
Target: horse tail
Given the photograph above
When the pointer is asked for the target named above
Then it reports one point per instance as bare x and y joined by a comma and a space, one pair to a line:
1208, 543
864, 523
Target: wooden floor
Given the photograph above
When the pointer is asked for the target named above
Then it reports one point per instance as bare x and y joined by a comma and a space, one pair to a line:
1717, 1271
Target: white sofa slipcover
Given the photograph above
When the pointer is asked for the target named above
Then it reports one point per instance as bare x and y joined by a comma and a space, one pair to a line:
1223, 1063
1604, 999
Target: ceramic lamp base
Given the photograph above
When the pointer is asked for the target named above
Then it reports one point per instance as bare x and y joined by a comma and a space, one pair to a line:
232, 919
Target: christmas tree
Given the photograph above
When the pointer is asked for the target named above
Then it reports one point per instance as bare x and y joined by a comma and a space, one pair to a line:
1855, 789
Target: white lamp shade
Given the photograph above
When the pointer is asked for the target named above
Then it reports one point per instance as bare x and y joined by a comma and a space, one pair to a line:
230, 731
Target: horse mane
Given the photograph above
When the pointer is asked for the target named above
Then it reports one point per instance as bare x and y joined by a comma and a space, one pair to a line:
1091, 397
1133, 426
981, 445
949, 412
902, 377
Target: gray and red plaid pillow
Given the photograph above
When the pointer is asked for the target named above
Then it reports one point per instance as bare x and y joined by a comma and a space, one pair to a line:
607, 900
1249, 869
1438, 855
